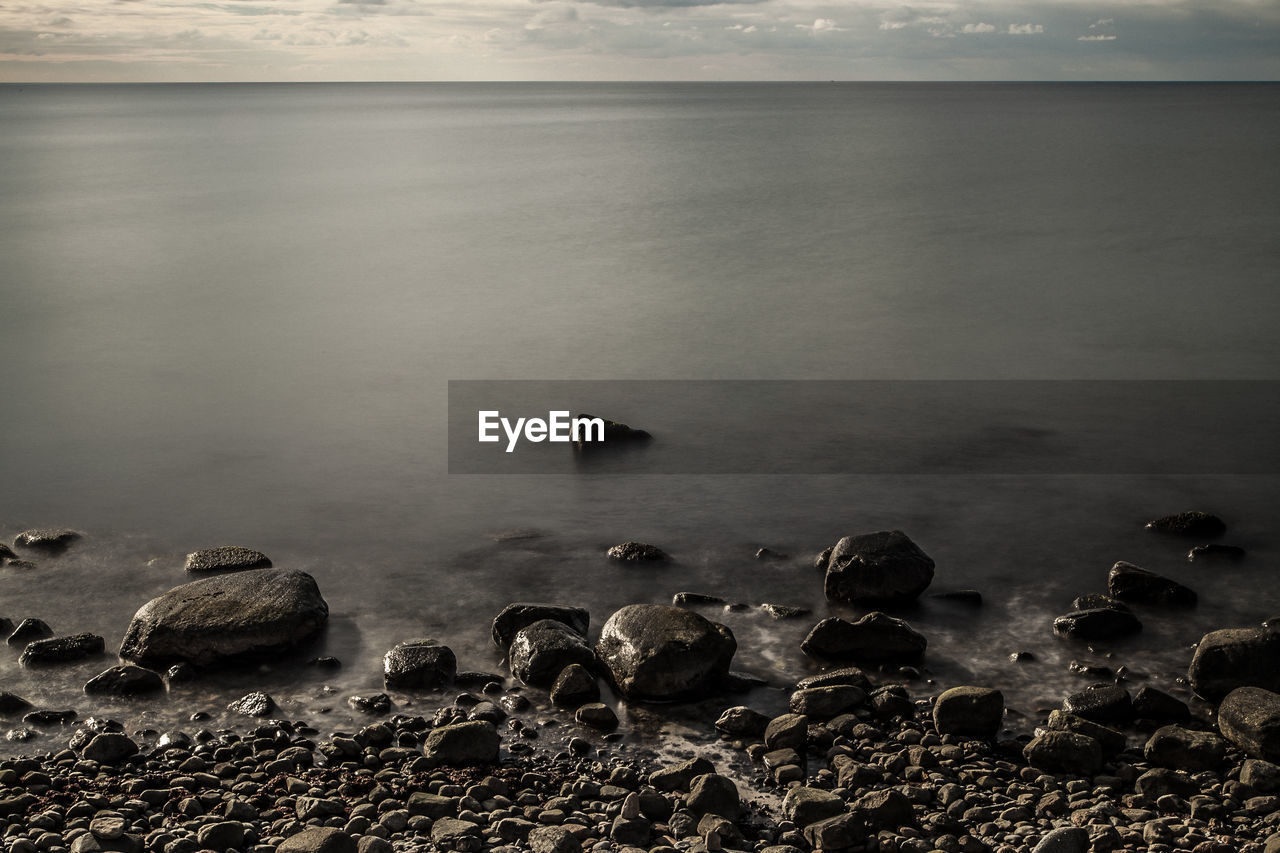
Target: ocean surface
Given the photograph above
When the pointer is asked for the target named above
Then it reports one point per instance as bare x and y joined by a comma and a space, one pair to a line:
230, 314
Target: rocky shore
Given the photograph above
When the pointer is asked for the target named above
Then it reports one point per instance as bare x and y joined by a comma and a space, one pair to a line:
865, 759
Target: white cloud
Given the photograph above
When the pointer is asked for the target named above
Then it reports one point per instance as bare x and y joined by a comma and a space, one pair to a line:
1026, 29
978, 29
821, 25
1096, 38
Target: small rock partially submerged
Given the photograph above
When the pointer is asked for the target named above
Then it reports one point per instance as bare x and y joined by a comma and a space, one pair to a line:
1215, 552
226, 558
637, 552
523, 614
419, 664
57, 650
126, 680
883, 566
1103, 623
1191, 523
256, 704
49, 539
876, 637
1128, 582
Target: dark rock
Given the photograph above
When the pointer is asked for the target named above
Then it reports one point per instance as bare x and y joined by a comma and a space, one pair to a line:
614, 433
62, 650
598, 716
804, 805
1183, 749
1128, 582
257, 704
694, 599
49, 539
883, 566
574, 686
318, 839
181, 673
539, 652
1067, 839
874, 637
844, 675
515, 617
463, 743
49, 718
419, 664
637, 552
28, 630
712, 793
1101, 703
227, 558
891, 701
1215, 552
1092, 670
679, 776
631, 832
110, 748
974, 711
1064, 752
433, 806
657, 652
1161, 781
741, 721
788, 731
1235, 657
488, 712
126, 680
553, 839
1249, 717
769, 554
327, 662
968, 597
886, 809
378, 703
1152, 704
1262, 776
823, 703
227, 616
1111, 741
11, 704
835, 833
1191, 523
450, 833
1021, 657
1098, 601
224, 835
785, 611
1101, 623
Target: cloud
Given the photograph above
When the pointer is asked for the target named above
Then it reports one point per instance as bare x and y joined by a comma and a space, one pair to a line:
1026, 29
821, 25
977, 29
1096, 38
904, 16
1100, 30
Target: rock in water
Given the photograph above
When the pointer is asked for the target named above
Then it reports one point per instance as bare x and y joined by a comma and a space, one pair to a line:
522, 614
1250, 718
28, 630
658, 652
127, 680
637, 552
976, 711
874, 637
1191, 523
256, 704
211, 620
884, 566
49, 539
541, 651
1103, 623
227, 558
1235, 657
62, 649
1128, 582
421, 663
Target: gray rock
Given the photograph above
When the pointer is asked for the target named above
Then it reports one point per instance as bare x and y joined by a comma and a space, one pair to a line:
227, 558
474, 742
377, 703
257, 704
49, 539
1262, 776
1128, 582
318, 839
553, 839
574, 686
835, 833
1111, 741
1235, 657
658, 652
57, 650
844, 675
874, 637
1249, 717
419, 664
212, 620
110, 748
1152, 704
1101, 703
28, 630
521, 615
742, 721
1192, 523
883, 566
637, 552
450, 833
597, 715
1071, 839
788, 731
1064, 752
712, 793
1184, 749
804, 805
680, 775
823, 703
973, 711
225, 835
433, 806
125, 680
885, 809
540, 652
1102, 623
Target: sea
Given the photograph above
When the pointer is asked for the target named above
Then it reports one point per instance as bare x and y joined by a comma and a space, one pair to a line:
238, 315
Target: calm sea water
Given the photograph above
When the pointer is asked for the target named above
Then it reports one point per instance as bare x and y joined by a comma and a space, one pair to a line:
230, 313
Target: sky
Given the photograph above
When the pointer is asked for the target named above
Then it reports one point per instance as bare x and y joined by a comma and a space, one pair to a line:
446, 40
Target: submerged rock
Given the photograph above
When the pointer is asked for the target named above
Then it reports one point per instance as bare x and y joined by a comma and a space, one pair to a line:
419, 664
785, 611
28, 630
874, 637
883, 566
126, 680
658, 652
1192, 523
1215, 552
213, 620
1131, 583
637, 552
257, 704
1235, 657
542, 650
614, 433
523, 614
1103, 623
49, 539
62, 649
226, 558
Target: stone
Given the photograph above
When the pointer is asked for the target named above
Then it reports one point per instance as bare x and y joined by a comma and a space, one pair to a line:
694, 599
514, 617
1102, 623
1214, 551
614, 433
840, 832
1064, 752
712, 793
1184, 749
655, 652
377, 703
1098, 601
433, 806
574, 686
1111, 741
224, 835
224, 617
788, 731
971, 711
876, 637
125, 680
1161, 781
1069, 839
420, 664
57, 650
11, 703
1152, 704
843, 675
472, 742
1249, 717
318, 839
637, 552
883, 566
804, 805
597, 715
680, 775
110, 748
823, 703
1101, 703
449, 833
741, 721
540, 652
784, 611
885, 809
1262, 776
28, 630
257, 704
1128, 582
553, 839
631, 831
227, 558
51, 540
1192, 523
1235, 657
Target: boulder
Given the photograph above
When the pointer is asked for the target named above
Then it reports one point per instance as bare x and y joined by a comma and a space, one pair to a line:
419, 664
109, 748
883, 566
62, 650
1064, 752
126, 680
574, 686
1184, 749
637, 552
1111, 741
474, 742
1101, 703
1193, 523
225, 617
1235, 657
1128, 582
318, 839
1150, 703
658, 652
741, 721
227, 558
1102, 623
712, 793
1249, 717
522, 614
823, 703
1262, 776
540, 652
804, 805
1159, 781
257, 704
875, 637
972, 711
51, 540
885, 809
28, 630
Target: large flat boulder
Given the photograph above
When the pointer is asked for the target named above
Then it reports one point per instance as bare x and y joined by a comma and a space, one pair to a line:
1235, 657
658, 652
884, 566
1250, 718
213, 620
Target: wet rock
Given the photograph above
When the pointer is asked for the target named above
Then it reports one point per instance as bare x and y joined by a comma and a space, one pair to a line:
712, 793
378, 703
574, 686
49, 718
57, 650
1161, 782
28, 630
598, 716
421, 664
463, 743
840, 832
1111, 741
769, 554
679, 776
694, 599
843, 675
1192, 523
212, 620
741, 721
1262, 776
788, 731
883, 566
1128, 582
126, 680
892, 701
973, 711
1152, 704
110, 748
804, 805
784, 611
181, 673
874, 637
326, 662
553, 839
1101, 703
1215, 552
515, 617
318, 839
51, 540
823, 703
541, 651
656, 652
1179, 748
1064, 752
614, 433
1249, 717
1235, 657
886, 809
637, 552
10, 703
1070, 839
227, 558
1098, 601
1102, 623
257, 704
